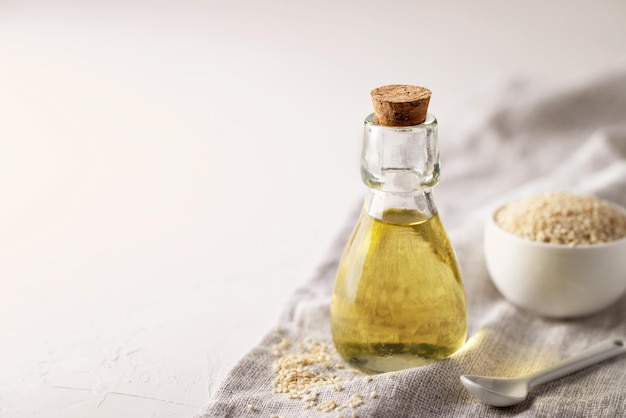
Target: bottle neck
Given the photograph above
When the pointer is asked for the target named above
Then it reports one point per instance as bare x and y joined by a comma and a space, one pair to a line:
400, 208
400, 165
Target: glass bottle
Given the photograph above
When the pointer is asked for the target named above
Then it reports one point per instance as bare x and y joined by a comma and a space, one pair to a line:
398, 300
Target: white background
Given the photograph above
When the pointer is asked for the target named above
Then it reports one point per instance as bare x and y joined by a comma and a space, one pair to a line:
170, 171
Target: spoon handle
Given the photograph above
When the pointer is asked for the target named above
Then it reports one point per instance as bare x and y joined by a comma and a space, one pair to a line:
603, 351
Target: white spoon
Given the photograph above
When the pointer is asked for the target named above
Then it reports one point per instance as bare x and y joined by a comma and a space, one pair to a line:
506, 392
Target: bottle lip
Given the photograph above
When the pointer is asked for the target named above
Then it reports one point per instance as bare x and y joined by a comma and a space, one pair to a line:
430, 121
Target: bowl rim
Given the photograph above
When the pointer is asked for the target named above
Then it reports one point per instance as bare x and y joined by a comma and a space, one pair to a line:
491, 220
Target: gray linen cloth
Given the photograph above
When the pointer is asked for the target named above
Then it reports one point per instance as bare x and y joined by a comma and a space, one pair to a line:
523, 139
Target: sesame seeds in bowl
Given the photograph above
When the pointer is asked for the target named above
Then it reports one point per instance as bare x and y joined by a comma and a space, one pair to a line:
563, 218
558, 254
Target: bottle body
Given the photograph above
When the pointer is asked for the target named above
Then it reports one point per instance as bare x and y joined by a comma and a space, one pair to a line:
399, 300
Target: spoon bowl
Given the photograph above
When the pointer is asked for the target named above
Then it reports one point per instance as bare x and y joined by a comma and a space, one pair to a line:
498, 391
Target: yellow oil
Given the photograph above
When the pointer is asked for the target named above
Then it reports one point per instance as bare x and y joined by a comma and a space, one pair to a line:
399, 300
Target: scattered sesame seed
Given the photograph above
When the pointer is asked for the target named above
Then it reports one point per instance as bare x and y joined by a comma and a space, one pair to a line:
311, 397
298, 373
284, 344
355, 400
327, 406
373, 395
314, 364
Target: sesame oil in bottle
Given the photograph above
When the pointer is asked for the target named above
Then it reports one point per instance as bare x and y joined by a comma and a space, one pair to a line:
399, 299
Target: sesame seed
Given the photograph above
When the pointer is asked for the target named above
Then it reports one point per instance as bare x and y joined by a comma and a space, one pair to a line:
284, 344
311, 397
327, 406
304, 366
563, 218
298, 373
355, 400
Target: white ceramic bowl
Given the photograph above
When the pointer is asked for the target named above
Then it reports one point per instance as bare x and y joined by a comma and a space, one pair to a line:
555, 280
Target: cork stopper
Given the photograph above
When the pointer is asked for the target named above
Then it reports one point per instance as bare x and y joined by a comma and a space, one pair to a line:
400, 104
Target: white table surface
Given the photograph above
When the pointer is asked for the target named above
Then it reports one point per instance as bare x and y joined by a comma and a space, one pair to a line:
171, 171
